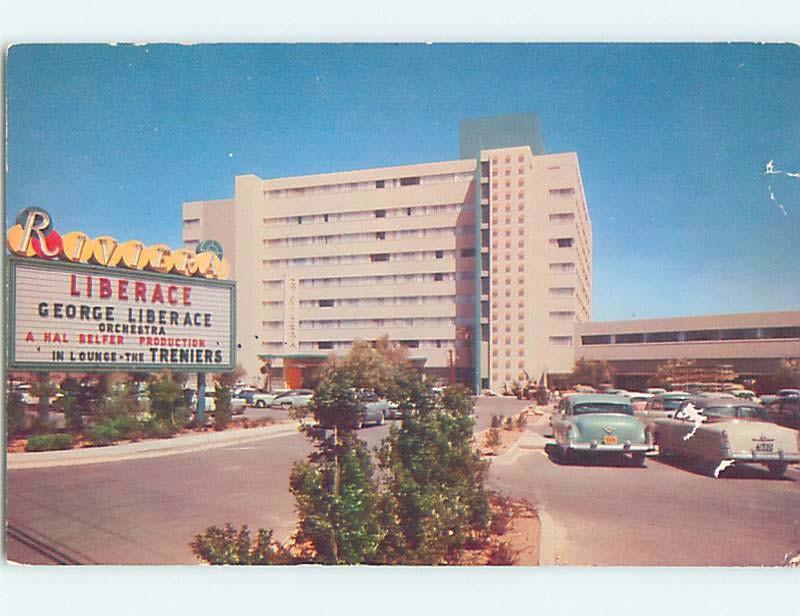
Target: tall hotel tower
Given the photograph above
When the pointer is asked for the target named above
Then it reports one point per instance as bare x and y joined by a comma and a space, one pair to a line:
480, 266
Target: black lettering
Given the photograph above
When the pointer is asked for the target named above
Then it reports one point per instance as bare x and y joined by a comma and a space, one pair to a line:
71, 311
43, 309
173, 317
217, 357
58, 311
207, 321
85, 313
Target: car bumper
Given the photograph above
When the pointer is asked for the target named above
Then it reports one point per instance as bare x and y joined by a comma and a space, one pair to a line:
601, 448
763, 457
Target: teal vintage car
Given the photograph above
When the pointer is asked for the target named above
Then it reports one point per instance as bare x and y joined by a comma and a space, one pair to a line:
601, 424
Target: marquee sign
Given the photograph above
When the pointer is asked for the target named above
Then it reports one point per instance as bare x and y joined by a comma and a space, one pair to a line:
68, 315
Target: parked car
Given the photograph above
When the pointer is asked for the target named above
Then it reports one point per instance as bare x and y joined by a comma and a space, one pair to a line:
638, 399
789, 393
785, 411
746, 394
373, 409
661, 406
656, 390
728, 429
294, 398
599, 423
246, 394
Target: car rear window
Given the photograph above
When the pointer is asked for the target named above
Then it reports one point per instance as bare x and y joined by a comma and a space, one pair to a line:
586, 408
734, 411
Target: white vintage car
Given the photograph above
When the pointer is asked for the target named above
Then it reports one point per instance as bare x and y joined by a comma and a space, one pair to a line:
724, 431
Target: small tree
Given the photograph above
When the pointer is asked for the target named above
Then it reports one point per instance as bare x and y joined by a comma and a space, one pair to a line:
225, 381
73, 416
591, 372
335, 493
228, 546
15, 411
167, 402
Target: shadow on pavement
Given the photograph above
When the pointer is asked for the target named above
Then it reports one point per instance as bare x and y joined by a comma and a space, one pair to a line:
589, 459
740, 470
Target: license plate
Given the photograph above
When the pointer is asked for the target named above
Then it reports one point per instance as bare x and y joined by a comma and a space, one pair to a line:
764, 447
610, 440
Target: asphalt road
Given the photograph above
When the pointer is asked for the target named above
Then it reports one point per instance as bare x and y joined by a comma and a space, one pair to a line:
664, 514
148, 510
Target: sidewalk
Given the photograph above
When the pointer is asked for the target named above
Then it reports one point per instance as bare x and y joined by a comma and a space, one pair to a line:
151, 448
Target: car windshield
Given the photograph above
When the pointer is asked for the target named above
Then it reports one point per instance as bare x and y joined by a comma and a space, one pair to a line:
672, 403
586, 408
752, 412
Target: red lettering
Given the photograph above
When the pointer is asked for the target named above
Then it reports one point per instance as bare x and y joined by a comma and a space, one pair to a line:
73, 286
29, 337
139, 291
122, 289
158, 295
186, 300
105, 288
172, 291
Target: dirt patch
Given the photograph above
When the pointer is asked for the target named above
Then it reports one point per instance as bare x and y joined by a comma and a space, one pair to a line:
514, 535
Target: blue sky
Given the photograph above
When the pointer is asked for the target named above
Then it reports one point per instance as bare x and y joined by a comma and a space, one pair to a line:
673, 141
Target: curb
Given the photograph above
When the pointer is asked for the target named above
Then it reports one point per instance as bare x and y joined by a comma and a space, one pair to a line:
145, 449
547, 539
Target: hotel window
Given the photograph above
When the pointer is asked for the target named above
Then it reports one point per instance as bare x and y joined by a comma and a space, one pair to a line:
380, 235
299, 220
380, 213
376, 258
410, 181
521, 328
325, 217
521, 267
521, 207
467, 252
438, 277
561, 340
562, 192
564, 242
380, 183
408, 211
521, 170
439, 254
325, 344
562, 217
508, 158
521, 182
520, 158
494, 365
562, 291
326, 303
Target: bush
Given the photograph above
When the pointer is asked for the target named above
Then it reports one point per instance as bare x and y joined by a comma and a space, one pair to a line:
508, 424
522, 421
497, 421
153, 427
48, 442
73, 417
103, 434
15, 413
227, 546
493, 437
167, 402
223, 411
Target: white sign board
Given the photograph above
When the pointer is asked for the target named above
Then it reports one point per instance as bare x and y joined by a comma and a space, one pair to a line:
65, 316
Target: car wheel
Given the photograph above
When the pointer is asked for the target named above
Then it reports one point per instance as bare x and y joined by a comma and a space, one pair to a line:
638, 459
777, 469
382, 419
260, 404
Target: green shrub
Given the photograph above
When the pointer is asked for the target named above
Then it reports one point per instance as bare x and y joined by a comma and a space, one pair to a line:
167, 402
48, 442
15, 412
228, 546
492, 437
103, 434
153, 427
223, 411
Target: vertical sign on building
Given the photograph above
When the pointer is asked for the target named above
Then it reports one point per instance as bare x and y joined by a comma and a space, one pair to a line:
290, 310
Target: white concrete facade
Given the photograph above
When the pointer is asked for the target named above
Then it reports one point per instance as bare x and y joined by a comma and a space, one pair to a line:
323, 260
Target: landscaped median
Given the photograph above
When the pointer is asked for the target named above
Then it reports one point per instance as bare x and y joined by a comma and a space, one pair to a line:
184, 442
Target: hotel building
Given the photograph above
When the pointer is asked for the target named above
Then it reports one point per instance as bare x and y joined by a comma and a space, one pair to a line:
481, 266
